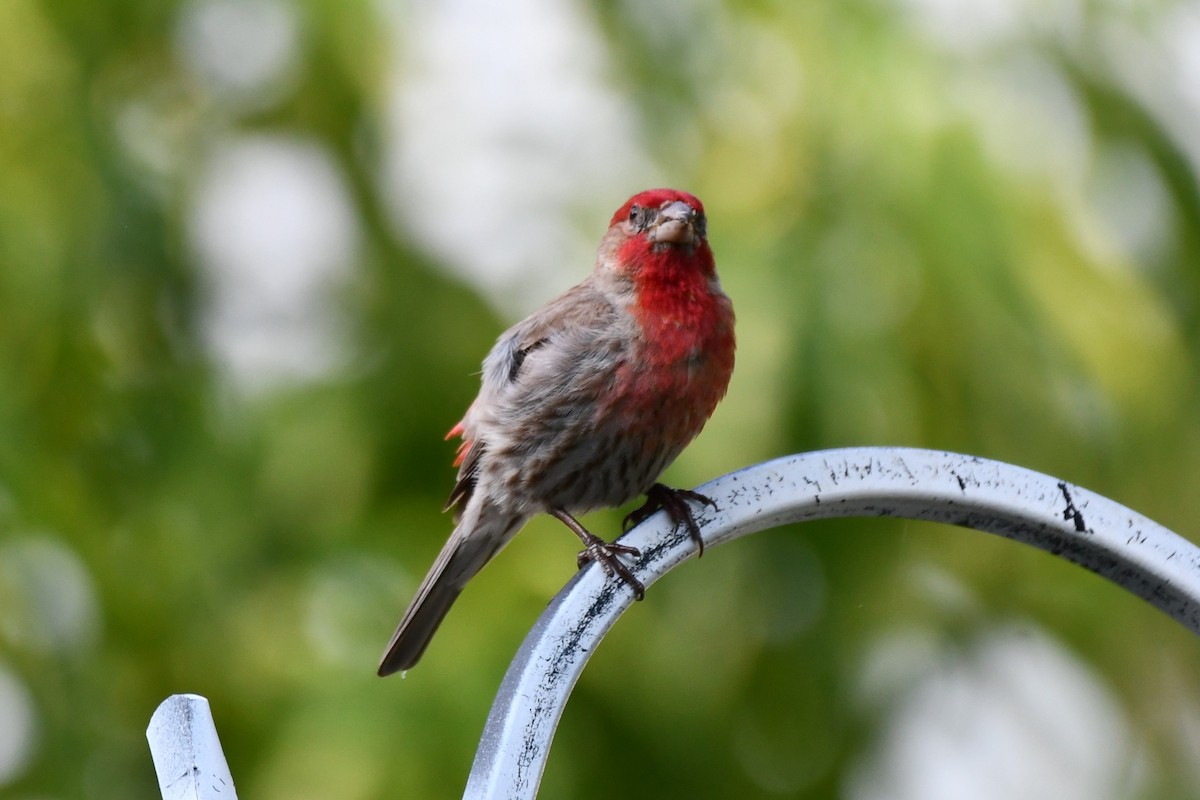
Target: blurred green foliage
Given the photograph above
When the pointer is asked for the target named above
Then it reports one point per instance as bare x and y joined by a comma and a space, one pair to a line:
900, 278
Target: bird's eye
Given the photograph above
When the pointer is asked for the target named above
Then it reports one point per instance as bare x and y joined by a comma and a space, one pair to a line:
634, 211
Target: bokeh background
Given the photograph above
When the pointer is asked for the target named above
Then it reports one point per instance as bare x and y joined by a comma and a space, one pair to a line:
252, 252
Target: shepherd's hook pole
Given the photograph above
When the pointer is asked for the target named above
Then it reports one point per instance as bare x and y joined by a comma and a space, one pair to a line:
1056, 516
1051, 514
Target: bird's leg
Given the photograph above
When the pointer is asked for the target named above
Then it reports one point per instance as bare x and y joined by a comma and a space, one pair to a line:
675, 503
602, 552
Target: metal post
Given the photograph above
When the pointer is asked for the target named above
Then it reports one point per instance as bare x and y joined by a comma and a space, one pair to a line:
1053, 515
187, 753
1060, 518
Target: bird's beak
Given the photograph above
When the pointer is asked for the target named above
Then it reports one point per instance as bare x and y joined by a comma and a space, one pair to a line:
676, 224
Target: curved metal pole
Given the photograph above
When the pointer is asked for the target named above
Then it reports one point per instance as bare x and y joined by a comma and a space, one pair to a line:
1053, 515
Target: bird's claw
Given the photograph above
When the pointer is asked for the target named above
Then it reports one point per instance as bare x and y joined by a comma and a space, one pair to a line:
606, 554
675, 502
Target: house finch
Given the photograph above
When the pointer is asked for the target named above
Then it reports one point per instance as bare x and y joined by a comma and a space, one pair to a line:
586, 401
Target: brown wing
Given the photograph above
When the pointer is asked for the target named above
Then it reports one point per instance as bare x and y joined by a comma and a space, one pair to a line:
470, 451
572, 321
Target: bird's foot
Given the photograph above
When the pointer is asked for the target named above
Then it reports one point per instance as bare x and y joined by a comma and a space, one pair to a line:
675, 502
606, 554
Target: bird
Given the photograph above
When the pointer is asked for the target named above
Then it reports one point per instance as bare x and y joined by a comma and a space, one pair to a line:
585, 402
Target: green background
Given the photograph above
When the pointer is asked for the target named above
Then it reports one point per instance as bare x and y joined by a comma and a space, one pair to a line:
981, 243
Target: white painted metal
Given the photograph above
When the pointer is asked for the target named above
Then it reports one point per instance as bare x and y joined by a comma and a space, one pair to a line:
1058, 517
187, 753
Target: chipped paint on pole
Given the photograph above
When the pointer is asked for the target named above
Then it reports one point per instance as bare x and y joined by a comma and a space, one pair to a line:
1064, 520
187, 753
1053, 515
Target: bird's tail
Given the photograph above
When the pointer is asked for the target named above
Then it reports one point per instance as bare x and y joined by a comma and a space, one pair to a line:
477, 537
